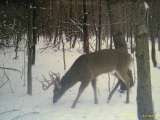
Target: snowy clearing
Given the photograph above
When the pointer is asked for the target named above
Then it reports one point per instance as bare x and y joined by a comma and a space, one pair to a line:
17, 105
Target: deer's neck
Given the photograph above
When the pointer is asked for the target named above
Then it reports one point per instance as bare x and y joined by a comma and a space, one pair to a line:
68, 80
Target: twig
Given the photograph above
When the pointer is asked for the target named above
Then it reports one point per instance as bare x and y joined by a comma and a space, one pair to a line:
74, 23
12, 69
4, 83
13, 110
134, 69
109, 79
7, 46
8, 79
64, 60
24, 68
49, 46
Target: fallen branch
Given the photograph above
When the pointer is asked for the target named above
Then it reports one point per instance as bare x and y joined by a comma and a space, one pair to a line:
8, 80
5, 112
12, 69
3, 83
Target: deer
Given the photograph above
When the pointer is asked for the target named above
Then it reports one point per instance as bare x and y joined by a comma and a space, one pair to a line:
87, 67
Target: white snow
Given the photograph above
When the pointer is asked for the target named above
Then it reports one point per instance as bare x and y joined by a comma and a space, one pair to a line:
39, 106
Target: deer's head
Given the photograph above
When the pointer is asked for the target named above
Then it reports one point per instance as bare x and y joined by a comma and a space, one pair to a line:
54, 80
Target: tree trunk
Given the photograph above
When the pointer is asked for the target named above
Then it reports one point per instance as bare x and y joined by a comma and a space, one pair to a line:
119, 42
34, 31
153, 52
85, 29
32, 39
158, 40
152, 28
29, 72
144, 94
117, 29
29, 51
99, 24
109, 21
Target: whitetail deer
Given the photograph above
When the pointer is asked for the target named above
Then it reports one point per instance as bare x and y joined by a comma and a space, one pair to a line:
87, 67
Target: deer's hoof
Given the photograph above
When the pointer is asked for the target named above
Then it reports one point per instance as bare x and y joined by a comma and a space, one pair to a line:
95, 102
127, 102
108, 101
73, 106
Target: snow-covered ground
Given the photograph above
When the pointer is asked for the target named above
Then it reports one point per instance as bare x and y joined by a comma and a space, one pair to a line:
15, 104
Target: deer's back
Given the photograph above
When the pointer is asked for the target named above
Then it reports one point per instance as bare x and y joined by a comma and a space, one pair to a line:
91, 65
103, 61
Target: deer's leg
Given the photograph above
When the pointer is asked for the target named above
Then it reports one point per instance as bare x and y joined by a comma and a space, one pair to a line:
127, 96
81, 89
129, 83
124, 76
95, 91
131, 78
112, 92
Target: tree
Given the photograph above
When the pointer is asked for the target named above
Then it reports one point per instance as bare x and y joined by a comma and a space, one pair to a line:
85, 28
144, 93
32, 39
115, 11
99, 24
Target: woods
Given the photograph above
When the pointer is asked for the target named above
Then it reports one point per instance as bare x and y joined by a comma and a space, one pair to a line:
93, 25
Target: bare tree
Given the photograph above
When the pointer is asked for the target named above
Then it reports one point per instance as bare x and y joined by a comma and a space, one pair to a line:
144, 92
115, 11
85, 28
32, 38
